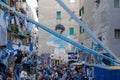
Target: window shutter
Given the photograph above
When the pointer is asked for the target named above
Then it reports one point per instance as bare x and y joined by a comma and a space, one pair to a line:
71, 31
58, 14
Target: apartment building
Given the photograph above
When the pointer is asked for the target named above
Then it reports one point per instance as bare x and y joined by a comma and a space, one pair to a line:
102, 17
51, 14
19, 30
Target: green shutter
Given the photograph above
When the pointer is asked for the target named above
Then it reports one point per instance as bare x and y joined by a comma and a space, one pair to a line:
81, 11
81, 30
58, 15
71, 31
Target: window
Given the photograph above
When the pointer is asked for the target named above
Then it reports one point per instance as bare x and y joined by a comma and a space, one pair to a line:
58, 14
24, 0
100, 38
22, 11
117, 33
81, 11
97, 1
99, 46
117, 3
17, 0
71, 31
81, 30
72, 1
37, 12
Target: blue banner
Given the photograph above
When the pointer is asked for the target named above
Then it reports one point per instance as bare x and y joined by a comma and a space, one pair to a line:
31, 46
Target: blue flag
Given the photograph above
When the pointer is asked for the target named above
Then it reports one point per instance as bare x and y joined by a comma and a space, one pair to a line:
31, 46
19, 44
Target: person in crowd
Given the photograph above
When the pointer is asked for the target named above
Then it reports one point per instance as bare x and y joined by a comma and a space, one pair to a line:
24, 75
89, 73
68, 77
25, 64
24, 60
17, 64
64, 74
8, 74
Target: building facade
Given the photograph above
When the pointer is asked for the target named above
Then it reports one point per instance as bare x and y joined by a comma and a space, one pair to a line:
51, 14
18, 29
102, 17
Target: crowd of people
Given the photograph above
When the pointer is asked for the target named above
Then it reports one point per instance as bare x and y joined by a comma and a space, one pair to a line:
32, 67
48, 70
17, 67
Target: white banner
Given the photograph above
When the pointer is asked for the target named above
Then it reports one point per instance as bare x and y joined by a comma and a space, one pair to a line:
3, 36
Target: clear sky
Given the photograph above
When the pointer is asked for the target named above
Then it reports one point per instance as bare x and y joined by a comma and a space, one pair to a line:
33, 4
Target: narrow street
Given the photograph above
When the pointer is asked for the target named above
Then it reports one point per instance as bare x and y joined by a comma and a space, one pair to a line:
59, 40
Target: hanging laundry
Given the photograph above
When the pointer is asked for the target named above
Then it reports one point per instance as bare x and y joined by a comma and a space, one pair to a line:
17, 21
25, 26
3, 27
3, 19
3, 36
25, 23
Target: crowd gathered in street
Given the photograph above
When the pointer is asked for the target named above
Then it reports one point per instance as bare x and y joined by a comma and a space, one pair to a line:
23, 66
